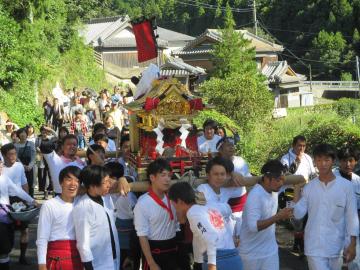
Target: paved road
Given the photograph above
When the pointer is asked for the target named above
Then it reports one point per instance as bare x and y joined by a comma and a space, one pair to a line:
288, 261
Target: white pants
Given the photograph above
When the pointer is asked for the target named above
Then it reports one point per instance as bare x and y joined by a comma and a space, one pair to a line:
323, 263
267, 263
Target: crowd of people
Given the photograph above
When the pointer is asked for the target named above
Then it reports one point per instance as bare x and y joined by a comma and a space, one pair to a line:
95, 221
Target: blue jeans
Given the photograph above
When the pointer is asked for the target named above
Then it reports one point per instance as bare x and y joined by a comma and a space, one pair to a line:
81, 141
226, 259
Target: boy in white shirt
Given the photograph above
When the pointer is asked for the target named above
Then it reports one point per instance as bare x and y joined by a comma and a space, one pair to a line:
155, 220
207, 142
93, 215
330, 203
8, 188
56, 244
258, 248
209, 225
348, 158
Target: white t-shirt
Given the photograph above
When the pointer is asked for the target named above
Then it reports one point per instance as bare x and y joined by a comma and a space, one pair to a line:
56, 163
16, 173
205, 146
55, 223
306, 167
209, 225
124, 205
224, 196
256, 244
153, 221
332, 215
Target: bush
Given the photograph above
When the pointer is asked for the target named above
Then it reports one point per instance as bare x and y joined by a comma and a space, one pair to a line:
273, 139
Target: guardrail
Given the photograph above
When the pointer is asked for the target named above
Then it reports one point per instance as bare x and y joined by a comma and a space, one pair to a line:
334, 84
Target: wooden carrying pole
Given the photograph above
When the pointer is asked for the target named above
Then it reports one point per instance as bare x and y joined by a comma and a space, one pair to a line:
143, 186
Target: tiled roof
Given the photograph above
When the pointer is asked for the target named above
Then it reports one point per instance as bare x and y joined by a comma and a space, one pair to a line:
280, 72
176, 66
260, 44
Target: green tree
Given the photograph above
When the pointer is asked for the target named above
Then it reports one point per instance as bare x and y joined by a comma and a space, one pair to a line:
237, 89
234, 53
328, 49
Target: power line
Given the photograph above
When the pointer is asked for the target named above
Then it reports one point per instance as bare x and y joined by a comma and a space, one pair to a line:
213, 7
318, 61
220, 7
301, 32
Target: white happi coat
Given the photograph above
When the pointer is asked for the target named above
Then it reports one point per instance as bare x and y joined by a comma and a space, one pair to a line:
93, 233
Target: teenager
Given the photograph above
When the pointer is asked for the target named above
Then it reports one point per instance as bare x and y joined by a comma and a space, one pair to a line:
93, 215
258, 247
95, 155
124, 158
124, 206
209, 227
100, 128
56, 244
155, 220
16, 172
330, 203
226, 148
58, 162
7, 189
207, 142
348, 158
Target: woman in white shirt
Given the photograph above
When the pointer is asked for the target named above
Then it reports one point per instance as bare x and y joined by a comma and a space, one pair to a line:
56, 244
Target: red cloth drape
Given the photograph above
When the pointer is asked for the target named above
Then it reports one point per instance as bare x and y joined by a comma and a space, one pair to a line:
145, 40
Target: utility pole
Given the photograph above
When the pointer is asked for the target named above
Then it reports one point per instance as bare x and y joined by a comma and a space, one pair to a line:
255, 19
358, 72
310, 71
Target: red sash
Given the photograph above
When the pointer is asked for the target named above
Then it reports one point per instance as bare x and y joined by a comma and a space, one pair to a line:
161, 203
238, 204
63, 255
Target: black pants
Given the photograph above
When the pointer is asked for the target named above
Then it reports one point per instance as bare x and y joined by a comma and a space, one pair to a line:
30, 180
164, 253
43, 176
6, 238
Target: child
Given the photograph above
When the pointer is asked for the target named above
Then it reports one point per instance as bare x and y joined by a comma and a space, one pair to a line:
79, 128
56, 244
155, 220
209, 227
330, 203
95, 230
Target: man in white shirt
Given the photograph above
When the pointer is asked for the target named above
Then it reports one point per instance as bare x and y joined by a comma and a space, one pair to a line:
348, 157
207, 142
258, 248
16, 172
56, 244
93, 215
56, 163
210, 227
8, 188
155, 220
298, 163
330, 203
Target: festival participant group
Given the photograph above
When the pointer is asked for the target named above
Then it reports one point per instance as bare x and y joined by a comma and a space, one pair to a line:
91, 217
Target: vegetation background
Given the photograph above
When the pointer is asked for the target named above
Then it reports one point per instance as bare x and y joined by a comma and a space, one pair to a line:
39, 45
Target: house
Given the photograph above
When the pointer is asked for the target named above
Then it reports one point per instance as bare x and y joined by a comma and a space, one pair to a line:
198, 52
285, 84
185, 73
114, 43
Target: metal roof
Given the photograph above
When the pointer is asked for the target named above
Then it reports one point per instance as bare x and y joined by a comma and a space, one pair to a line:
128, 43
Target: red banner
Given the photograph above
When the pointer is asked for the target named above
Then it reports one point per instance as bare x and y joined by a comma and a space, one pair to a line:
145, 41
